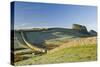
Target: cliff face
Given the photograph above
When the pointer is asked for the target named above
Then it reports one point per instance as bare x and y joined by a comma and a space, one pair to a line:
80, 28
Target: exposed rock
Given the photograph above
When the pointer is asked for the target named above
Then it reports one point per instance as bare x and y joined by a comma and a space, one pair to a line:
80, 28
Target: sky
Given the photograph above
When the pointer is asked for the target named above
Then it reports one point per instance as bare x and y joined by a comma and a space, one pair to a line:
46, 15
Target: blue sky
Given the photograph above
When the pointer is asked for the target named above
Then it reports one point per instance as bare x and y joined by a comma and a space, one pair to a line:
41, 15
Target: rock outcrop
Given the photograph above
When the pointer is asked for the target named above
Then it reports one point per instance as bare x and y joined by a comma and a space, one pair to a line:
80, 28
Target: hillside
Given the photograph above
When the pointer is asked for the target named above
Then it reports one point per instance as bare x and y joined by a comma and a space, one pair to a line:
82, 49
38, 37
30, 45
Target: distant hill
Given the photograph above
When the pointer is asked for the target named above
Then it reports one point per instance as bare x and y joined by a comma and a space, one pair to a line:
93, 33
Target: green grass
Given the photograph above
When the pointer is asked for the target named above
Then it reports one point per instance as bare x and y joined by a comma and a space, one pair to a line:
71, 54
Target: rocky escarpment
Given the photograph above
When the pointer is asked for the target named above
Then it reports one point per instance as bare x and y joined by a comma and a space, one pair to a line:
83, 29
80, 28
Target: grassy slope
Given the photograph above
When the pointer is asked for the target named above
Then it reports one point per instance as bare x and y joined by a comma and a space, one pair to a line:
50, 36
82, 49
71, 54
35, 37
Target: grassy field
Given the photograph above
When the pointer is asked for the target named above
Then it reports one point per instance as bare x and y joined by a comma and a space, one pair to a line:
70, 50
71, 54
61, 45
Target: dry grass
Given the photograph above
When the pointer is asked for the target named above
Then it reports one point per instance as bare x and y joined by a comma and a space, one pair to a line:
77, 50
77, 42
